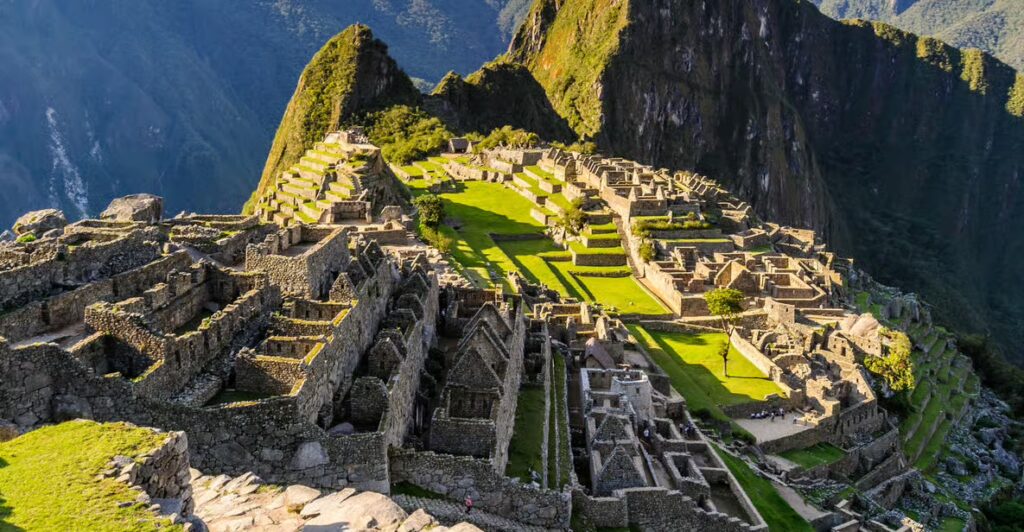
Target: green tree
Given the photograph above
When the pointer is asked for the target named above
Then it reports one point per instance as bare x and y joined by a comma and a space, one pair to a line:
431, 210
725, 303
896, 368
574, 218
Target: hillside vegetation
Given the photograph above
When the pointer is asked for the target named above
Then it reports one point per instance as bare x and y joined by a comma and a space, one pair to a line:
995, 26
352, 73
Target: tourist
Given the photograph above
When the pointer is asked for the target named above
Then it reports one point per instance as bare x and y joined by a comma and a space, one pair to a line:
469, 504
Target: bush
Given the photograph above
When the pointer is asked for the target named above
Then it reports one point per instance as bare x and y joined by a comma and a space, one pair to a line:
896, 368
574, 219
584, 147
744, 436
431, 210
439, 240
26, 238
647, 251
504, 136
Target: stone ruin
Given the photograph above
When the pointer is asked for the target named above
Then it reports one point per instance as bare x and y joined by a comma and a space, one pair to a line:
337, 351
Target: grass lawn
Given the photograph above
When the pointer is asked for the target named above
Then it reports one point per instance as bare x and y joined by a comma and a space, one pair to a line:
480, 209
777, 513
47, 479
693, 365
525, 451
815, 455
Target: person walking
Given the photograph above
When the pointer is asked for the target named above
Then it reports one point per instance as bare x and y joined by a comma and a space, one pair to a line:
469, 504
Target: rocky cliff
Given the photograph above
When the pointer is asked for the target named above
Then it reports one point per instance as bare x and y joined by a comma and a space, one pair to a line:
906, 153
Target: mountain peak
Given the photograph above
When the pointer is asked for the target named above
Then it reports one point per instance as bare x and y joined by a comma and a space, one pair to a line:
352, 73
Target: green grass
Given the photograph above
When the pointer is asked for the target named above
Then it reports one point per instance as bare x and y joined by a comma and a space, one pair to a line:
580, 249
777, 513
235, 396
558, 476
951, 524
544, 174
695, 368
47, 479
481, 209
815, 455
525, 451
413, 171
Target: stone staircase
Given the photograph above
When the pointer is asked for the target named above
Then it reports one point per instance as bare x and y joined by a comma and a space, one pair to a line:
450, 513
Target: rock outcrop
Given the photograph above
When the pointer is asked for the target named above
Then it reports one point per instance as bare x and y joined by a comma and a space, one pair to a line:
135, 208
39, 222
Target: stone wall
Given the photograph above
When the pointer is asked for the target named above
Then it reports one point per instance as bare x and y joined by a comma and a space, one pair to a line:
75, 260
308, 273
459, 476
162, 473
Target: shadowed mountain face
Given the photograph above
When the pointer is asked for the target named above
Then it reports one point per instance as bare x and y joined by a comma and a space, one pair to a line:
905, 153
995, 26
106, 98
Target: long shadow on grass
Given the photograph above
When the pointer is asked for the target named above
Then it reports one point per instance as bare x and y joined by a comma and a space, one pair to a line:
5, 509
702, 376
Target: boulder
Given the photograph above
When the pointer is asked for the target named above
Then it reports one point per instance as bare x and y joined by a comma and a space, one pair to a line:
135, 208
7, 236
39, 222
365, 511
298, 496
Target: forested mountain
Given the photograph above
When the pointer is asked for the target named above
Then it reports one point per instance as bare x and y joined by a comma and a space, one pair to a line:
995, 26
107, 97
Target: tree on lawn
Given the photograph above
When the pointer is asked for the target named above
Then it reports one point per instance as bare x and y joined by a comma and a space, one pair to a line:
431, 210
725, 303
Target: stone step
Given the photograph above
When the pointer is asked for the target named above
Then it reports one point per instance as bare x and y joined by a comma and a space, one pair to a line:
450, 513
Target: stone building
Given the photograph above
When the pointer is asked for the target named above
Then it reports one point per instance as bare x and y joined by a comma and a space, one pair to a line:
476, 410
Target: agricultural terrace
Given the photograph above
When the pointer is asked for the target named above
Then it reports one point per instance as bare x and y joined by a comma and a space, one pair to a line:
479, 214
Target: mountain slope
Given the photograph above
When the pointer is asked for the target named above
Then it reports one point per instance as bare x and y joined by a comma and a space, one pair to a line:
995, 26
182, 98
351, 73
904, 152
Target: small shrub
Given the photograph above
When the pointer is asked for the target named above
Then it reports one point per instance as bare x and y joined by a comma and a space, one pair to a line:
647, 251
26, 238
439, 240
